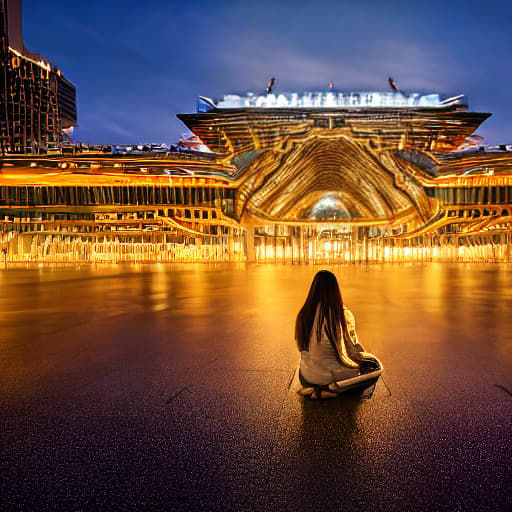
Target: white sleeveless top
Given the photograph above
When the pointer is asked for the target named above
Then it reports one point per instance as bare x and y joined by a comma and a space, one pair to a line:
319, 365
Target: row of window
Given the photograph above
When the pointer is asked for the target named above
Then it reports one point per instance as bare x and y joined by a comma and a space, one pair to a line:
472, 195
109, 195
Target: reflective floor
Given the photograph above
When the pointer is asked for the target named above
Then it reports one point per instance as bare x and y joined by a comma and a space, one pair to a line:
161, 386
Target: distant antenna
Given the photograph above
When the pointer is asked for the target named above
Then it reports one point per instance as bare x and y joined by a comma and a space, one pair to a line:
270, 84
392, 84
331, 85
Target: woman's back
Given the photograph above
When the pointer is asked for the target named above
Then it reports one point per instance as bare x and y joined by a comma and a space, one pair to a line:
320, 364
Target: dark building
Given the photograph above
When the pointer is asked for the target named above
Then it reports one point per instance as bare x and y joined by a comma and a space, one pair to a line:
37, 103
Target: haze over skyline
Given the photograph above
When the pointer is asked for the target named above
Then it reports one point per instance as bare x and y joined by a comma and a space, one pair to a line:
136, 65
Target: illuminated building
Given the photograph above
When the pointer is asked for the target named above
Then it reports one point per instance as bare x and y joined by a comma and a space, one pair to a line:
360, 176
327, 176
332, 181
37, 103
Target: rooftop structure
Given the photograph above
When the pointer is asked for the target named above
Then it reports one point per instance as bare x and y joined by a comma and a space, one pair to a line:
327, 99
384, 121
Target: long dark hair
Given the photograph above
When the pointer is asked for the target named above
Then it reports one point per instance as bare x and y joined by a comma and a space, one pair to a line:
325, 292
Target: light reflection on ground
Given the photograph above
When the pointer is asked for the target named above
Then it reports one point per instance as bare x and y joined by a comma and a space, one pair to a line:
432, 304
182, 372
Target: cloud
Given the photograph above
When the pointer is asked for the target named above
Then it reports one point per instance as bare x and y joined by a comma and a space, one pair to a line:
140, 67
414, 65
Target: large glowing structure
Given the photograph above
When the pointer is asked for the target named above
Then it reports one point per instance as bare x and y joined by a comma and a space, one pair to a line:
377, 164
340, 183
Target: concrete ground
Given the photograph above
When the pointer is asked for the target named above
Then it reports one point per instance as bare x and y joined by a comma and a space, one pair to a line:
174, 388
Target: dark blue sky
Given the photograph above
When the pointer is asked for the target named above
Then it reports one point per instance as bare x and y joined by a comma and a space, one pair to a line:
137, 64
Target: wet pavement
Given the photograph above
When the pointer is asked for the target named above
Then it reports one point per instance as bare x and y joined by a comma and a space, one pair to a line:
164, 387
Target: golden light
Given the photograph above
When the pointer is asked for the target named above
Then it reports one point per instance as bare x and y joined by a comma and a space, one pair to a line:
184, 208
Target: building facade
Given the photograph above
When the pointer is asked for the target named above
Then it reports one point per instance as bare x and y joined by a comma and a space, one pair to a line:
320, 183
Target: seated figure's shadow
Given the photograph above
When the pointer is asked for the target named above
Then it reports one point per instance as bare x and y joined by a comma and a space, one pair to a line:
331, 423
331, 445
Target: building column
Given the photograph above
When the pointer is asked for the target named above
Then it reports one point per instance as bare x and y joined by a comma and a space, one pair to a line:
301, 244
355, 255
231, 244
250, 251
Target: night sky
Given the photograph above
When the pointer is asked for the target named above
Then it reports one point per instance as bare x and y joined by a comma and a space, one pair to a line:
137, 64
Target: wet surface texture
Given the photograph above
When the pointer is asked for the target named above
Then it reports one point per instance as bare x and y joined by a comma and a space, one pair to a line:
172, 387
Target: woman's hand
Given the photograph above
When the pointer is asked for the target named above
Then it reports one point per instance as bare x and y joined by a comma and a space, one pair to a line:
349, 363
365, 355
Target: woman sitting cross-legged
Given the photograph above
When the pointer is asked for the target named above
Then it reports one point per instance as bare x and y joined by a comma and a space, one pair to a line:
327, 340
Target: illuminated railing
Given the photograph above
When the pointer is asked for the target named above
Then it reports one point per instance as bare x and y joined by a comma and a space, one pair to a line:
327, 99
